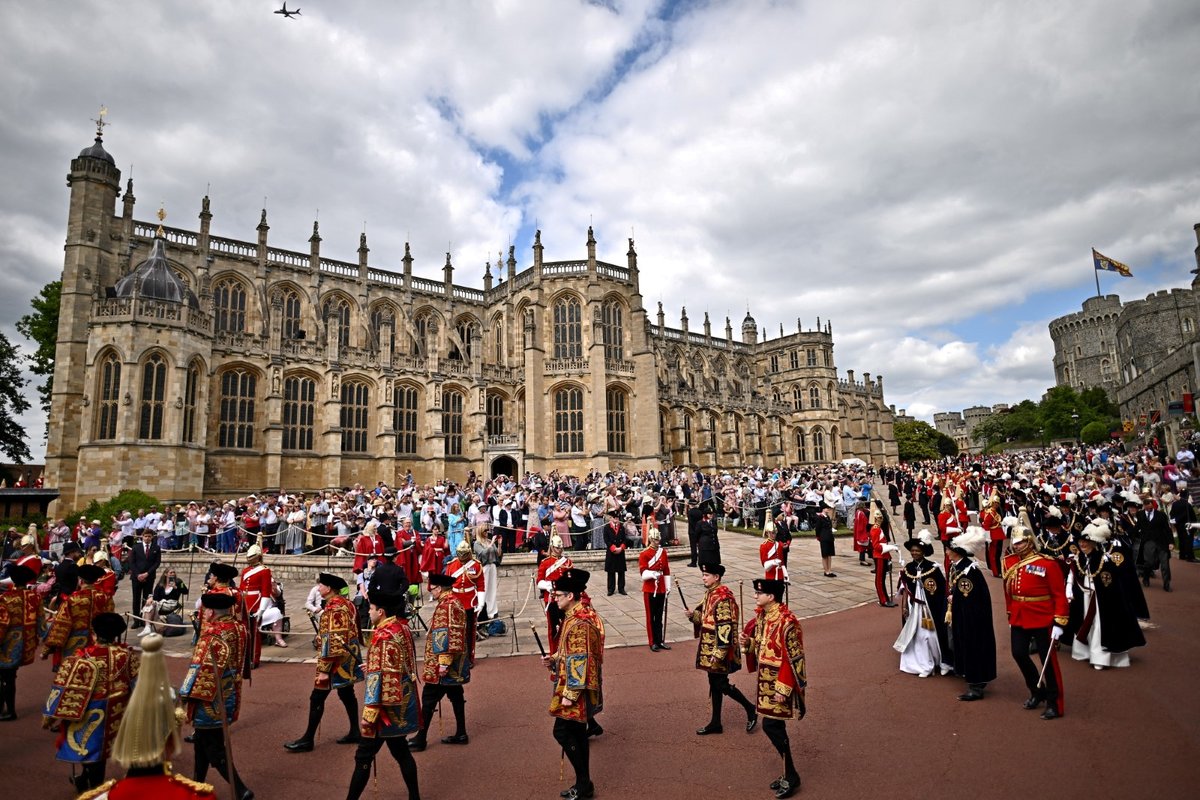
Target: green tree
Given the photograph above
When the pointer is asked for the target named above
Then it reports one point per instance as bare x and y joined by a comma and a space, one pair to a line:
1095, 432
916, 440
12, 403
945, 445
41, 328
128, 500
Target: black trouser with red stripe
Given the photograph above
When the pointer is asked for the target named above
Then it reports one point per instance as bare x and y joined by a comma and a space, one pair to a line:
882, 566
995, 556
655, 628
1039, 639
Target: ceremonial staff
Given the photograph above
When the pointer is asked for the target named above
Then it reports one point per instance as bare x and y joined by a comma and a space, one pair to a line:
220, 691
681, 600
542, 650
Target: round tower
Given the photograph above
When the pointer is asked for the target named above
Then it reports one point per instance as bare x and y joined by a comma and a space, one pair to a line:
749, 330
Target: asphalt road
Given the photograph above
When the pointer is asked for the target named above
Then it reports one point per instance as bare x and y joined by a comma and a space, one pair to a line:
871, 730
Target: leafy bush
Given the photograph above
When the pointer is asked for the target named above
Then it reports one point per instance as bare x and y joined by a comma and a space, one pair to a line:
128, 500
1095, 432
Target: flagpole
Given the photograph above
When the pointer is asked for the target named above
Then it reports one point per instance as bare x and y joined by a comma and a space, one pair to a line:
1096, 273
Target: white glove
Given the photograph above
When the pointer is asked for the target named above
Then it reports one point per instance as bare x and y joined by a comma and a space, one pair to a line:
649, 575
545, 586
771, 563
1056, 633
668, 583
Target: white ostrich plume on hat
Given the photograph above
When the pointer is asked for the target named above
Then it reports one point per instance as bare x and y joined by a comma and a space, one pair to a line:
1053, 511
1097, 531
924, 537
1071, 497
1009, 521
971, 540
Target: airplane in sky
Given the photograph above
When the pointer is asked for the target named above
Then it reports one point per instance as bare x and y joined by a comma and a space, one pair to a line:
288, 14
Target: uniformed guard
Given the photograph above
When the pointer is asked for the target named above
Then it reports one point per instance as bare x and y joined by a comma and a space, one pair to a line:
716, 622
969, 614
1035, 593
339, 662
577, 665
212, 688
549, 570
468, 589
71, 627
148, 737
446, 669
774, 645
391, 708
20, 624
88, 698
655, 568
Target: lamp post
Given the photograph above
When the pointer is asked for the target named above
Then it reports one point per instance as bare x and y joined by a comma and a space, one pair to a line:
1075, 424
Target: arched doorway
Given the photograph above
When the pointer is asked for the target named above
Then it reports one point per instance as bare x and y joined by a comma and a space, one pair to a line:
504, 465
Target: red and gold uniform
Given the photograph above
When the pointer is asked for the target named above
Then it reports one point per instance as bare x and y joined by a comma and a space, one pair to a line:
446, 668
989, 520
391, 707
339, 649
157, 785
1036, 598
71, 626
91, 689
20, 624
256, 585
655, 569
719, 652
883, 563
771, 554
578, 664
467, 590
549, 570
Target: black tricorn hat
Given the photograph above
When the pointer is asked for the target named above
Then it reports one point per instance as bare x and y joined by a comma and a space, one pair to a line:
770, 586
222, 571
440, 579
90, 573
713, 568
332, 581
573, 581
108, 625
217, 600
926, 548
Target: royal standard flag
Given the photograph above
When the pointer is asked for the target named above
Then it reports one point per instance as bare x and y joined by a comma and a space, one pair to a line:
1107, 264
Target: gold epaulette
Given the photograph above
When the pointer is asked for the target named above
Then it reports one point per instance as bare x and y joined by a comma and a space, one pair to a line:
97, 791
197, 786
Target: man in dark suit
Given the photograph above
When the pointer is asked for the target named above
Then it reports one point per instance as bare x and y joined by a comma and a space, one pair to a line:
142, 566
1182, 515
1157, 544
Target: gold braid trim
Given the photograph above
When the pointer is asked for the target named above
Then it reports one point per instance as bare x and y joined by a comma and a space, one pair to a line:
97, 791
195, 785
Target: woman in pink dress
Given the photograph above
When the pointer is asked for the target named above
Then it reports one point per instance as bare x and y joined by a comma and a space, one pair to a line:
561, 520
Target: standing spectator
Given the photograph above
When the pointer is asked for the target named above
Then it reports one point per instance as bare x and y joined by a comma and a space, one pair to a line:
614, 556
708, 548
1157, 544
60, 534
823, 527
202, 532
580, 525
487, 552
143, 566
1182, 514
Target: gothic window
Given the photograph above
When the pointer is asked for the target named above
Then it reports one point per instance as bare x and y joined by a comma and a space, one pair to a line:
1188, 325
154, 391
191, 391
108, 397
687, 434
355, 398
812, 357
663, 434
291, 316
814, 396
462, 352
299, 411
794, 359
801, 447
452, 422
818, 445
498, 340
612, 319
404, 419
337, 313
420, 343
568, 330
797, 398
378, 317
236, 424
774, 362
495, 414
776, 397
618, 421
735, 430
229, 306
568, 419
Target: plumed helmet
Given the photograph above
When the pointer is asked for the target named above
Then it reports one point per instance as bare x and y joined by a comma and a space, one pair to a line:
556, 542
463, 549
653, 535
150, 727
1020, 533
254, 552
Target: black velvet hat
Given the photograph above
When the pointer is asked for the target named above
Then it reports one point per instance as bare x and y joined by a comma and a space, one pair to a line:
90, 573
217, 600
770, 586
20, 574
332, 581
109, 626
387, 589
223, 572
713, 568
440, 579
573, 581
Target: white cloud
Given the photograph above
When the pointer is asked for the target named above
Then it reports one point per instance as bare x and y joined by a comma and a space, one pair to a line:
897, 169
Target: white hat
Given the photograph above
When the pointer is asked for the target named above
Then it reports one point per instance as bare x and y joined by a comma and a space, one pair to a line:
969, 541
556, 541
925, 537
1009, 521
254, 552
99, 556
1053, 511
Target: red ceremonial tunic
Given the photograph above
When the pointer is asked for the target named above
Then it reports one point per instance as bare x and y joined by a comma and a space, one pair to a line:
771, 555
255, 584
989, 520
367, 545
468, 581
878, 540
655, 559
861, 535
151, 787
1034, 591
776, 651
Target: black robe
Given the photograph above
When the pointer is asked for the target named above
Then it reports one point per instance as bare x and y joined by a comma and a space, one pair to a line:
971, 632
1119, 629
1121, 553
935, 596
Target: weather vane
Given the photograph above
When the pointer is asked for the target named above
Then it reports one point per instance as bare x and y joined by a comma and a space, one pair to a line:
100, 123
162, 214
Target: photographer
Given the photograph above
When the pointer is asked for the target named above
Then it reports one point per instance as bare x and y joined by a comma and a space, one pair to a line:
165, 602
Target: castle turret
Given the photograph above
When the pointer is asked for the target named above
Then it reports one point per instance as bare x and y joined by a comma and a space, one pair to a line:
749, 330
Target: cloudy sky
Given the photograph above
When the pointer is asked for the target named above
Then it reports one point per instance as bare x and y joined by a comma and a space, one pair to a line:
930, 176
